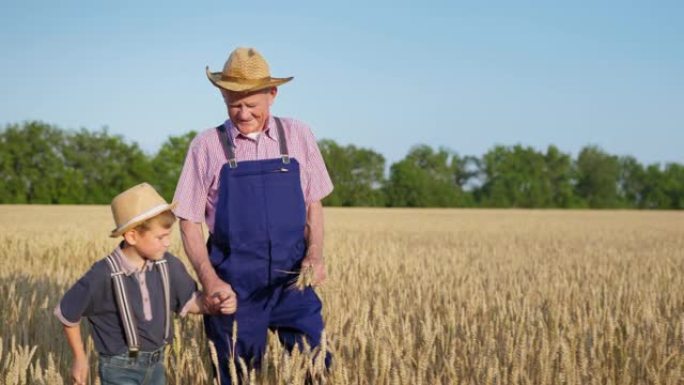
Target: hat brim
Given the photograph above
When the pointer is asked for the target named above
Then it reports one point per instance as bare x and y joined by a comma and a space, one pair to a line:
142, 218
244, 85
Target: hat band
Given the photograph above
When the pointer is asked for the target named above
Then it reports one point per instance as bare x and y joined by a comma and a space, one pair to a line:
147, 214
236, 79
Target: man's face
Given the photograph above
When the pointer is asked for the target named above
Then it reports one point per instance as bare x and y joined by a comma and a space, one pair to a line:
249, 110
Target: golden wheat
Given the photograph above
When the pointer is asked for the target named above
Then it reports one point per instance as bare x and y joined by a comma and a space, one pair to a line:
413, 297
305, 278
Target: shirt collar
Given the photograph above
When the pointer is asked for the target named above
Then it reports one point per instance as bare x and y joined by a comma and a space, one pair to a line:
127, 267
235, 133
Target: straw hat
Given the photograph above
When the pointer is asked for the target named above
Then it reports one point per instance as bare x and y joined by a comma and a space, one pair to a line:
136, 205
245, 71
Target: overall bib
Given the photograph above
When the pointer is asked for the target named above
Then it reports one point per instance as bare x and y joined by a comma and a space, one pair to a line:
257, 244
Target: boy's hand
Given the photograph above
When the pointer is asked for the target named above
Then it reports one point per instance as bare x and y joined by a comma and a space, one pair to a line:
79, 370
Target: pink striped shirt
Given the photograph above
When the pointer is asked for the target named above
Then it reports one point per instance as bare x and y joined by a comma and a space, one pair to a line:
197, 189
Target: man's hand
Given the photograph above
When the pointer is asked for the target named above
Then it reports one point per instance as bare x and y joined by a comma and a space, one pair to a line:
318, 266
79, 370
313, 233
219, 297
228, 304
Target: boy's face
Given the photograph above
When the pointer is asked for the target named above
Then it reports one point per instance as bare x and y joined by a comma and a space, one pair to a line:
153, 243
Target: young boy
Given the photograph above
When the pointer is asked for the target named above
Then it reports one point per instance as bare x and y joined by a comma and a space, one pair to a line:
129, 295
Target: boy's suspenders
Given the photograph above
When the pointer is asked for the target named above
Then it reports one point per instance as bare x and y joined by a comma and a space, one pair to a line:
123, 304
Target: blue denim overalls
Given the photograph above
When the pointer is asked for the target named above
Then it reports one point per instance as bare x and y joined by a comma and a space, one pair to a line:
257, 244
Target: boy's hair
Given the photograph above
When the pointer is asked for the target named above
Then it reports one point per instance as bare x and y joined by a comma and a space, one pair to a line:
165, 219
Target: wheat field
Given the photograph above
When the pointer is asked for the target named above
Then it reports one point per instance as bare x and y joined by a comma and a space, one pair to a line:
413, 297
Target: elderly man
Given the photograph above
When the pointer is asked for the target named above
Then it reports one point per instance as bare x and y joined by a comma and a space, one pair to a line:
257, 181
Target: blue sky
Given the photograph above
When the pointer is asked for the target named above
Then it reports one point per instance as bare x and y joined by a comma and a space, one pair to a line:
385, 75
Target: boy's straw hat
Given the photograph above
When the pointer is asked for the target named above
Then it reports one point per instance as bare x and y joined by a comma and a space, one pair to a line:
245, 71
136, 205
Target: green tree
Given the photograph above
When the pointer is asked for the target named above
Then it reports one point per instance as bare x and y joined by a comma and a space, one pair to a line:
357, 173
560, 173
32, 163
674, 185
663, 188
40, 163
168, 162
515, 177
428, 178
107, 165
598, 174
631, 183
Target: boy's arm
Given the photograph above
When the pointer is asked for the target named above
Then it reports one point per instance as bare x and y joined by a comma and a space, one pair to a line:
79, 368
194, 305
76, 303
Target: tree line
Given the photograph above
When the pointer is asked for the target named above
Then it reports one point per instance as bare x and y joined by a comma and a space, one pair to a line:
42, 163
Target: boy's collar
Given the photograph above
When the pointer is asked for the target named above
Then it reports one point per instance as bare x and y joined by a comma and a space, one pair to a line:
127, 267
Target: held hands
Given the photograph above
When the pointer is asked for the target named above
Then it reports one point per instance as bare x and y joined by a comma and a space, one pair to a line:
219, 298
226, 302
79, 370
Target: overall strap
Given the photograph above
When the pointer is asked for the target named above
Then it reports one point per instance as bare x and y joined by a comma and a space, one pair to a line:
227, 144
282, 142
124, 309
164, 271
229, 147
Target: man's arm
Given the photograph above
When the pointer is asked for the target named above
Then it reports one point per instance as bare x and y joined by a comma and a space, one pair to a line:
215, 290
314, 236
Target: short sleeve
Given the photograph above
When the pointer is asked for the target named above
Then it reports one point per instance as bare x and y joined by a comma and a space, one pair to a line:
317, 183
77, 301
193, 185
183, 287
